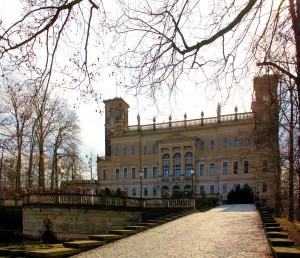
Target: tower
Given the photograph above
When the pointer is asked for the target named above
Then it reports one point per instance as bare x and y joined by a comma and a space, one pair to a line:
116, 115
266, 109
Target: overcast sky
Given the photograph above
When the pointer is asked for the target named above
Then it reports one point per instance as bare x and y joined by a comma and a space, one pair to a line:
189, 99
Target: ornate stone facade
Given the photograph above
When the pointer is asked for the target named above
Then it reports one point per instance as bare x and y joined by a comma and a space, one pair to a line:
220, 152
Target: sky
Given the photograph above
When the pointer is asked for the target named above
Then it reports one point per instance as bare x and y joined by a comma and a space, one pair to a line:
190, 99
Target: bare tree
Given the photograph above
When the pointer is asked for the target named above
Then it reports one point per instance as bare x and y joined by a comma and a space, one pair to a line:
54, 37
65, 140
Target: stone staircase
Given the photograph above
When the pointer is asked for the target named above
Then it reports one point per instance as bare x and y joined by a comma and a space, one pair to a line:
68, 249
281, 245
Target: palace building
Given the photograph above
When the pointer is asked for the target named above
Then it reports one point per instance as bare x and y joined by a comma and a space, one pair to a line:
200, 156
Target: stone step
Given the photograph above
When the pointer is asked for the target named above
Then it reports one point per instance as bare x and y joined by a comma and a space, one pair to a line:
285, 252
149, 225
107, 238
281, 242
138, 228
84, 245
269, 221
124, 232
158, 221
53, 252
276, 229
272, 234
271, 224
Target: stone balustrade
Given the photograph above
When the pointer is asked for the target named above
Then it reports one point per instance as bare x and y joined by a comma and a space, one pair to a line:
100, 201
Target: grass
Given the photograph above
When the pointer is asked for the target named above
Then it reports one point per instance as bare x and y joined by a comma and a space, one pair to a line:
293, 230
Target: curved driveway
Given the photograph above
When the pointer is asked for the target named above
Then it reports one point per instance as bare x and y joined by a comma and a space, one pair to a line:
225, 231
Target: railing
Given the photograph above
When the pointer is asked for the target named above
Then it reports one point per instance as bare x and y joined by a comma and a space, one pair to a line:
100, 201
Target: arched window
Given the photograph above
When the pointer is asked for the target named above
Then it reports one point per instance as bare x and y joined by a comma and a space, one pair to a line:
177, 164
188, 163
187, 189
166, 165
164, 189
176, 188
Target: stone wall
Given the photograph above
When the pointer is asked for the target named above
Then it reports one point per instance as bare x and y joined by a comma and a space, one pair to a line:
75, 223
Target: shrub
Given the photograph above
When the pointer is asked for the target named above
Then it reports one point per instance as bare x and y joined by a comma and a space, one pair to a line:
241, 195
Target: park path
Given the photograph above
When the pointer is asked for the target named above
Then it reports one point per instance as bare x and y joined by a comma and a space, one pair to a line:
225, 231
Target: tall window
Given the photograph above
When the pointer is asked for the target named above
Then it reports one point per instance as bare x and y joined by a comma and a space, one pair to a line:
225, 168
265, 165
212, 189
133, 191
225, 143
154, 191
145, 150
133, 150
104, 174
235, 167
117, 151
145, 191
154, 172
154, 149
246, 166
235, 141
117, 173
145, 173
166, 164
246, 141
124, 151
188, 163
125, 173
264, 187
225, 190
133, 173
212, 144
177, 164
212, 169
202, 189
202, 145
202, 170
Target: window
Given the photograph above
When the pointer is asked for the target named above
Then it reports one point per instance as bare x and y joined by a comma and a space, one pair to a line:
202, 170
125, 173
202, 189
133, 173
166, 164
225, 143
246, 166
235, 141
117, 173
265, 165
212, 169
264, 187
154, 149
145, 191
201, 145
246, 141
145, 172
133, 150
154, 191
235, 167
104, 174
177, 164
145, 150
154, 172
225, 168
133, 191
117, 151
124, 151
225, 189
212, 189
212, 144
188, 163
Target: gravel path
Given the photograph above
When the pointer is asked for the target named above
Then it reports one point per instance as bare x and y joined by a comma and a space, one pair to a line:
225, 231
